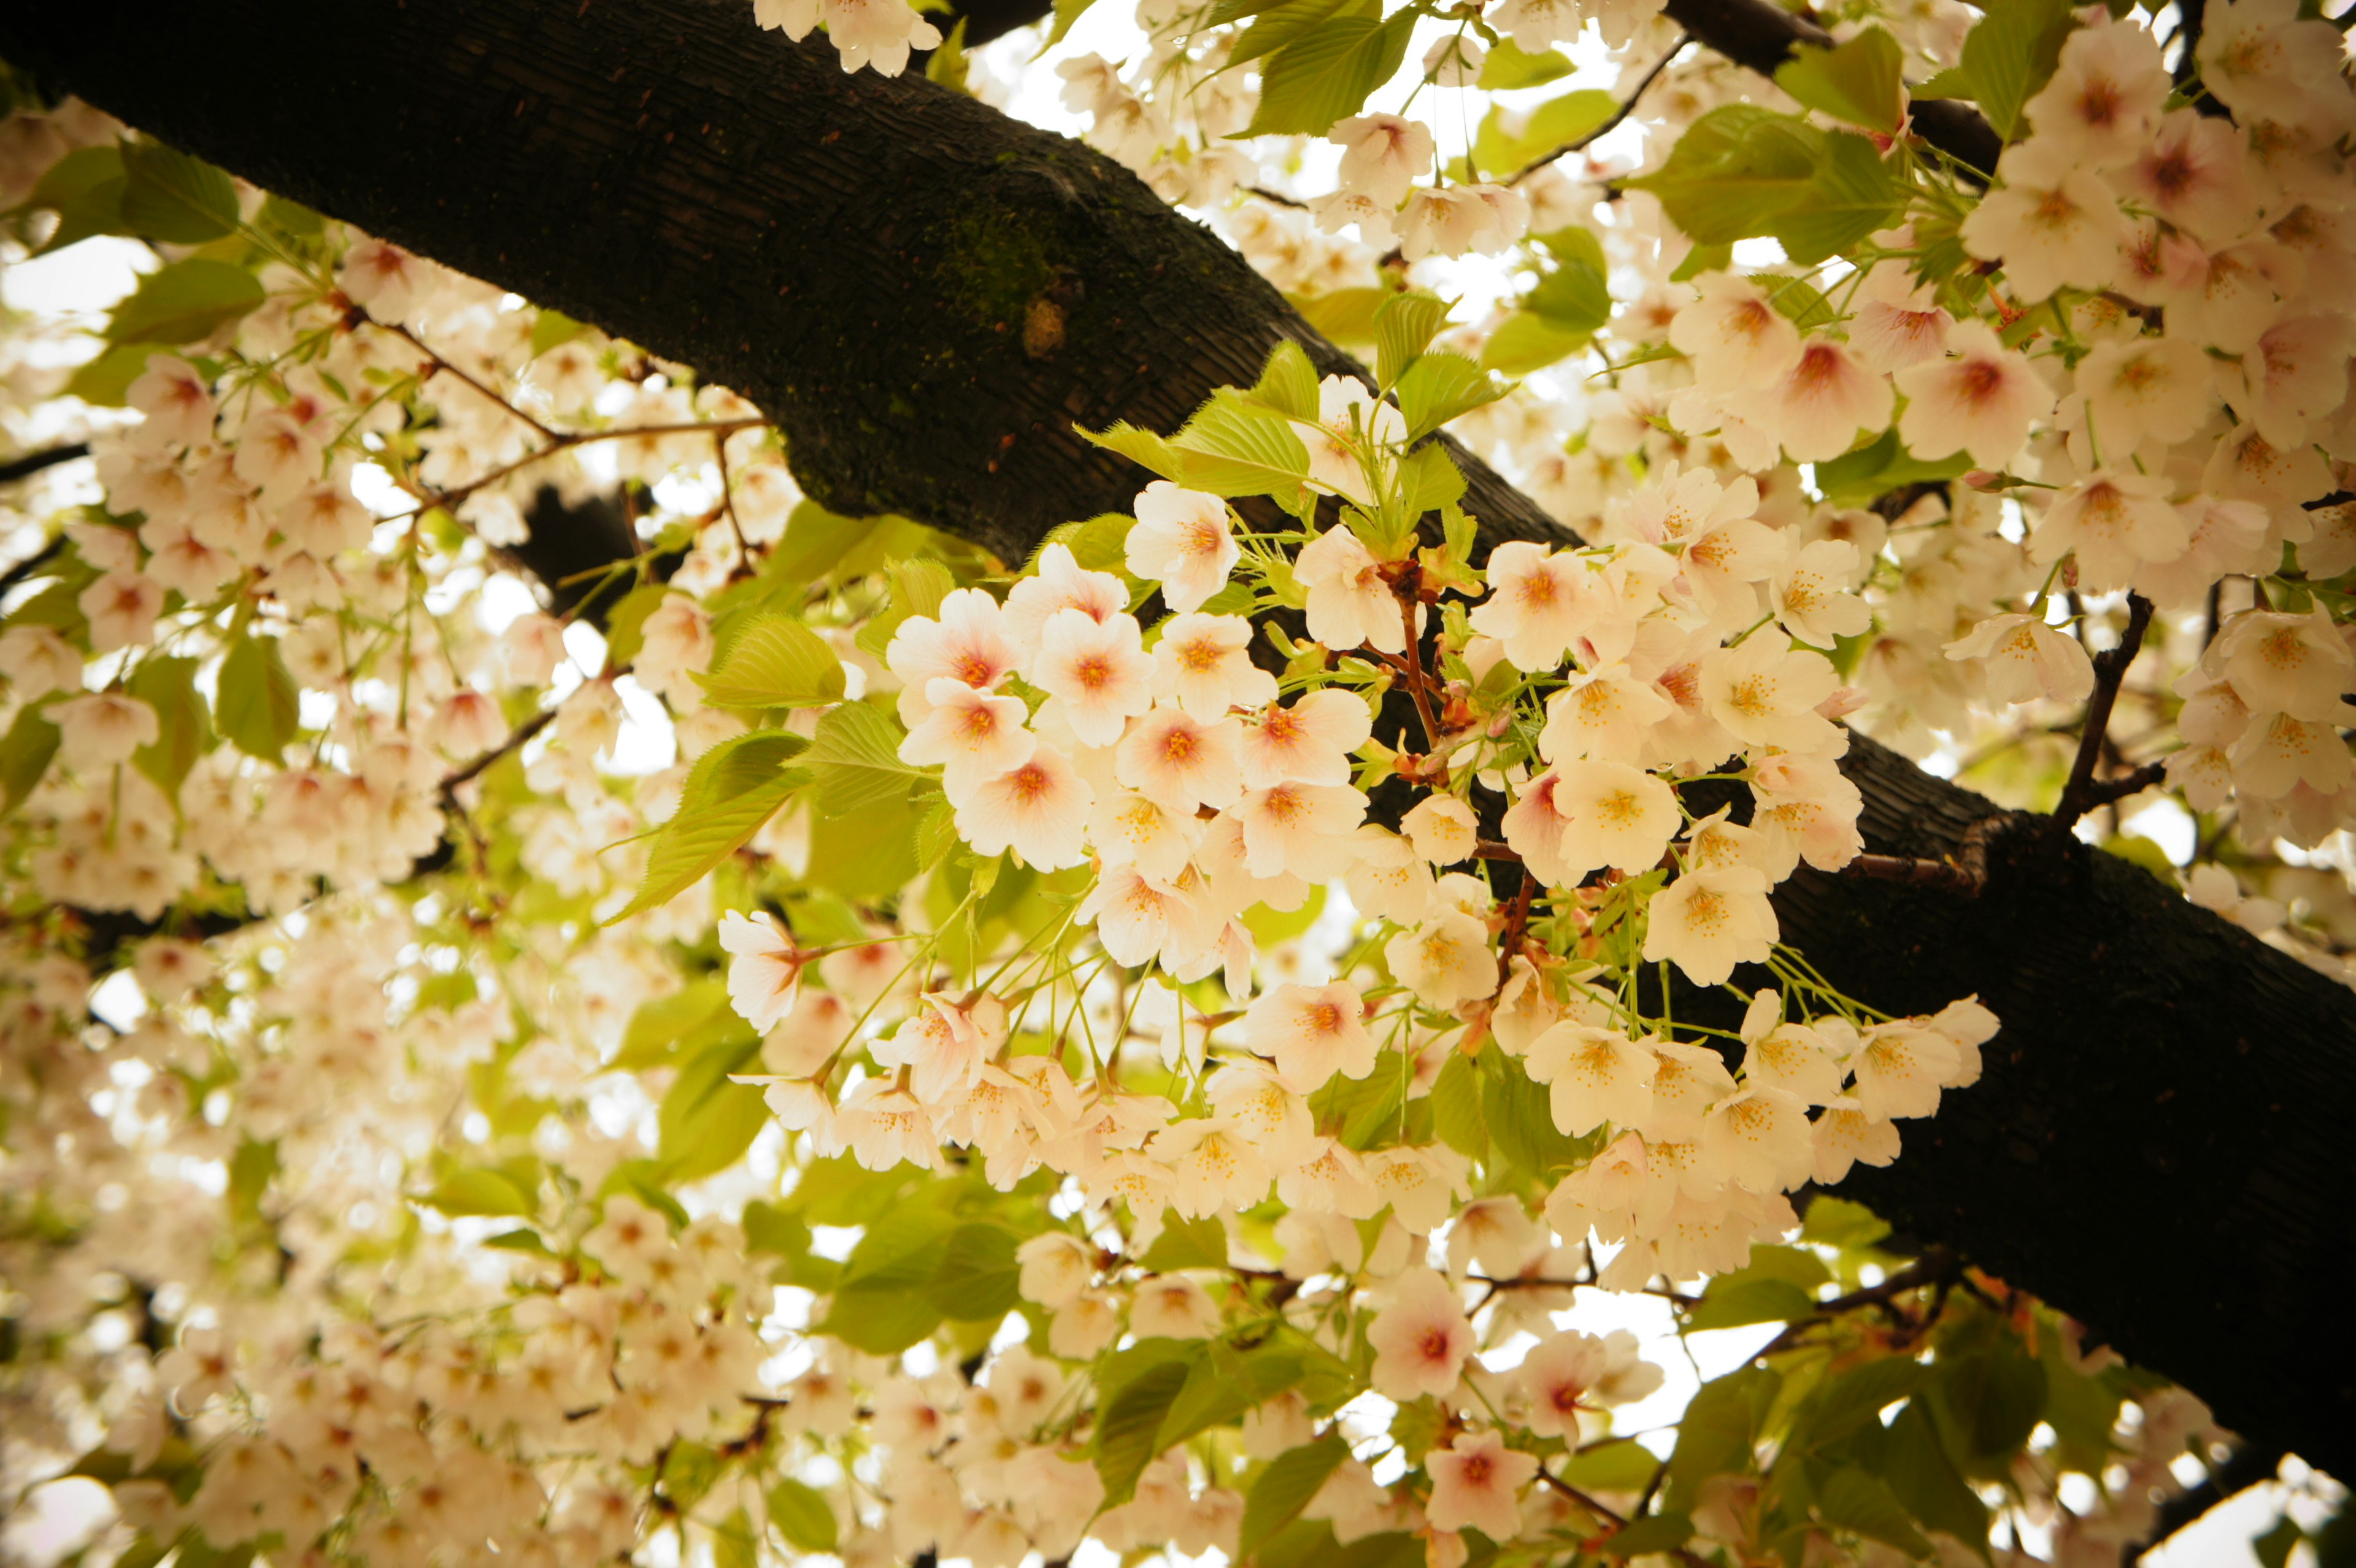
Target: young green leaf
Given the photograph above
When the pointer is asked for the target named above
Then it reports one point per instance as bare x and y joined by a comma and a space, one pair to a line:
172, 196
256, 701
1288, 383
1325, 75
1438, 387
1404, 329
1735, 172
706, 1122
1858, 80
183, 302
1234, 448
25, 753
1284, 1488
184, 727
803, 1516
855, 759
733, 789
774, 662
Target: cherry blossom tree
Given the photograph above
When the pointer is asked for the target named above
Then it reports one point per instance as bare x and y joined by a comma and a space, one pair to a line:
748, 814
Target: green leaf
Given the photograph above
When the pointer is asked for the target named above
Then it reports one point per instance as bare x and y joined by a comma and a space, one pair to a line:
1068, 12
977, 1278
481, 1190
1521, 1123
523, 1239
1836, 1221
1099, 544
1233, 448
882, 1303
665, 1026
855, 759
290, 217
1429, 481
1556, 123
689, 1471
2008, 57
947, 65
84, 188
1325, 75
870, 854
1996, 1400
1438, 387
1847, 1401
1284, 1488
1575, 293
706, 1122
249, 1172
1508, 67
256, 701
774, 662
1852, 1499
1620, 1465
552, 329
1404, 327
1858, 80
1725, 1305
25, 755
626, 624
917, 589
76, 174
1528, 341
1346, 317
1655, 1532
1143, 447
1703, 259
1718, 1431
172, 196
105, 382
730, 792
184, 728
185, 302
1128, 1425
1188, 1244
1857, 478
1853, 194
733, 1545
803, 1516
1288, 22
1456, 1115
1288, 383
1921, 1476
1734, 172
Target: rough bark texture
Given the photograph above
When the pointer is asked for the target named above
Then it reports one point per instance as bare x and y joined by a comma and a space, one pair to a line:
2159, 1146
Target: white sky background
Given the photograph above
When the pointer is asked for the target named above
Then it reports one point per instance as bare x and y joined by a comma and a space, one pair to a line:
82, 282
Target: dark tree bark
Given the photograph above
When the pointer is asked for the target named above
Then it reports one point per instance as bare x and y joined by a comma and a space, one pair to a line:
927, 295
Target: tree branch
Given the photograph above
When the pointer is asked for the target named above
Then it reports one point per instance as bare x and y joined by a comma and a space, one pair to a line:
2082, 794
33, 463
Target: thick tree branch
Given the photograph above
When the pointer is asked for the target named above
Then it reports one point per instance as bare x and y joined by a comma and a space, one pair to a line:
2159, 1145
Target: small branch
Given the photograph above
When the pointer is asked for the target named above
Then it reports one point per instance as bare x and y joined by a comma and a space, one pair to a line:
32, 563
1627, 106
1937, 1265
1963, 873
1490, 850
476, 768
32, 462
2082, 794
1277, 197
442, 366
1404, 589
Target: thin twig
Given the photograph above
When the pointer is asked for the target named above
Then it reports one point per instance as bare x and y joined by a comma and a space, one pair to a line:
474, 770
1627, 106
32, 563
2082, 794
1937, 1265
1277, 197
32, 462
